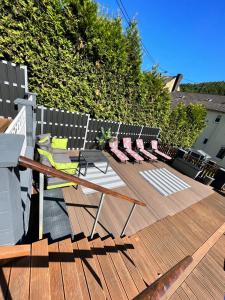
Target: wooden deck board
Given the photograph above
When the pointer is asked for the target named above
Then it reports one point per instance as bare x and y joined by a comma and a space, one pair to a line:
4, 281
96, 270
56, 281
131, 267
40, 280
80, 272
71, 283
4, 124
112, 280
93, 280
19, 283
120, 267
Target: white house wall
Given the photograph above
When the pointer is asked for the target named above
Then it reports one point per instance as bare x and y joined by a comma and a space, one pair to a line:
215, 133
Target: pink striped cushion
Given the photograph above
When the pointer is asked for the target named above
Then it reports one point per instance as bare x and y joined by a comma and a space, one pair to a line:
114, 144
149, 155
140, 144
154, 144
135, 155
127, 143
120, 154
163, 155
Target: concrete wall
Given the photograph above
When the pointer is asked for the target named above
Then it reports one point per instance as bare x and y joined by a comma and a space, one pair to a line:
215, 133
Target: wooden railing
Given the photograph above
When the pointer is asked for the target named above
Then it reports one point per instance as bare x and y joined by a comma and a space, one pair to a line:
34, 165
43, 169
158, 288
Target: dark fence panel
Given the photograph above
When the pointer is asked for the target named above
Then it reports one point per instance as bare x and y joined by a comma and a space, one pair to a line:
82, 131
128, 130
149, 133
62, 123
13, 85
94, 129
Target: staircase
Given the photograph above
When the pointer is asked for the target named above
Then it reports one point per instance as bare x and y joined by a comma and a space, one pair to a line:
122, 268
98, 269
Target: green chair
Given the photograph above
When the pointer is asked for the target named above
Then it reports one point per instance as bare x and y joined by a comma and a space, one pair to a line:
66, 167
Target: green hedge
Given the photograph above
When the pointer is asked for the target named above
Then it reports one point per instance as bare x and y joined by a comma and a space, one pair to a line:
80, 61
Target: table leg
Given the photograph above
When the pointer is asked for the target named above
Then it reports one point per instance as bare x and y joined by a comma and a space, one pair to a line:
107, 167
86, 169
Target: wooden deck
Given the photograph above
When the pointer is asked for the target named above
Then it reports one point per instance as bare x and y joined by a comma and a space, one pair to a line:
82, 208
4, 124
122, 268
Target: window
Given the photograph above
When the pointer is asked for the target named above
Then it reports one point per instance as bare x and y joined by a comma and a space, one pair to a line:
205, 141
217, 120
221, 153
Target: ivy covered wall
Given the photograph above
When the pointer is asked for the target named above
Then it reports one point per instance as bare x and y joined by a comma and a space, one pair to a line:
80, 61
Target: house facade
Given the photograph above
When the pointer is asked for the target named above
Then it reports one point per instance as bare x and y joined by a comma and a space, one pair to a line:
212, 138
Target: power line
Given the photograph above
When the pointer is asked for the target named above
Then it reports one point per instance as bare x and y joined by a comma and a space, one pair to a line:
144, 48
128, 20
147, 52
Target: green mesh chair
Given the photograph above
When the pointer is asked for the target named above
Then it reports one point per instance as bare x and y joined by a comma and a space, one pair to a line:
66, 167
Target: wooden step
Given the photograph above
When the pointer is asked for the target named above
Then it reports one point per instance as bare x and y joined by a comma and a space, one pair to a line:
143, 259
56, 281
89, 266
99, 270
71, 283
39, 277
112, 280
122, 248
19, 279
4, 279
80, 272
122, 271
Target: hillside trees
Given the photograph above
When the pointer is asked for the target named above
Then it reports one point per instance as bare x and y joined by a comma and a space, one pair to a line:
214, 88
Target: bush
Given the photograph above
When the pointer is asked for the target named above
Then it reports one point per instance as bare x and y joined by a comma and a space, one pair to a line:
80, 61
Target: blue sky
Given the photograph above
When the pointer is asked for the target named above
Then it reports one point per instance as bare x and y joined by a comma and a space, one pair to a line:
186, 36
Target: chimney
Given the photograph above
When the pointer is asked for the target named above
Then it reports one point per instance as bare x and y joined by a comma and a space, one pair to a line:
176, 85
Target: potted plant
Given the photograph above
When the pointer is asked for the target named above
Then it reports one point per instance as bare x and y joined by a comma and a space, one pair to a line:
103, 138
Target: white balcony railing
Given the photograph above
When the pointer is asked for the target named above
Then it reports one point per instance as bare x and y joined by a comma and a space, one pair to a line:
18, 126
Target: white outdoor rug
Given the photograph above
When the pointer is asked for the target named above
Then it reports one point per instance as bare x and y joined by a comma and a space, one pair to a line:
109, 180
164, 181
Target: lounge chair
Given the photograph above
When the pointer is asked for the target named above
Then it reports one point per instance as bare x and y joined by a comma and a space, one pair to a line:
130, 152
142, 151
154, 144
113, 147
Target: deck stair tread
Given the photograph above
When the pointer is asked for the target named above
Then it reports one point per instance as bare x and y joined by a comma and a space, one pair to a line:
40, 278
120, 267
123, 249
80, 271
69, 272
89, 266
56, 281
111, 277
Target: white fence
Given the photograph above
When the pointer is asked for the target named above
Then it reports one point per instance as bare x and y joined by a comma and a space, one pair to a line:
18, 126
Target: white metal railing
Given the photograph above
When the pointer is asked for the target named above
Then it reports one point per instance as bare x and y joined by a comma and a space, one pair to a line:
18, 126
